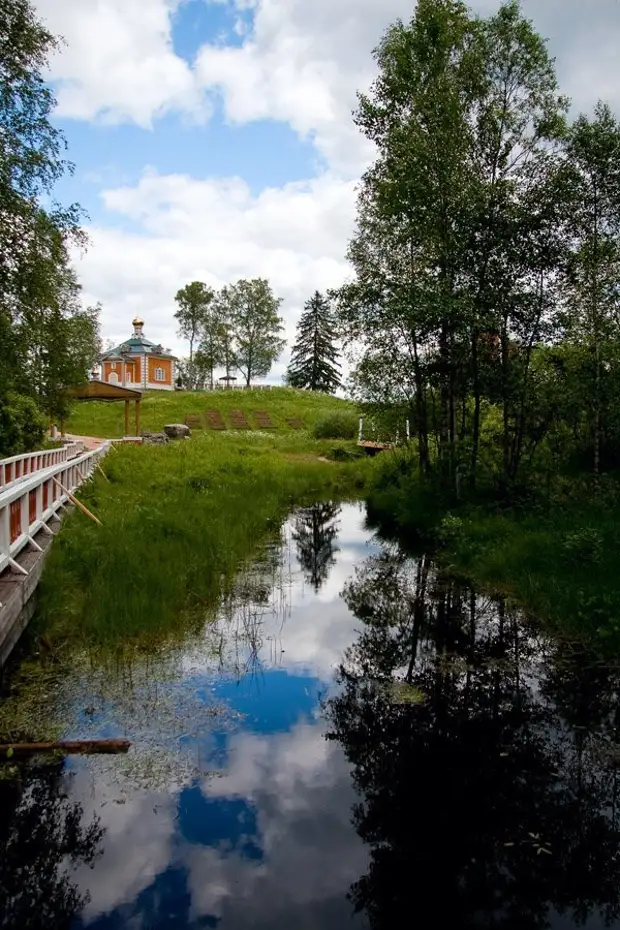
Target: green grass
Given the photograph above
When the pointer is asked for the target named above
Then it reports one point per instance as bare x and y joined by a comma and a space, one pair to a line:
558, 560
561, 566
96, 418
178, 520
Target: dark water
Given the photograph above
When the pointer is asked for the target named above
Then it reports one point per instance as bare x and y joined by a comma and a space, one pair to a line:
357, 742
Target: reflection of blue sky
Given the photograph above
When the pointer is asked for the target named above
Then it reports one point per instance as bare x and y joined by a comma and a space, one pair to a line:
227, 824
274, 701
266, 841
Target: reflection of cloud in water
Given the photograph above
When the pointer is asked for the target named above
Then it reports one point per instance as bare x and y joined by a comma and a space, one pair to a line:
300, 789
266, 839
289, 860
300, 629
137, 843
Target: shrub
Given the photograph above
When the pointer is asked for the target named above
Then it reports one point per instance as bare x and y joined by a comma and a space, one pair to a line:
336, 426
22, 426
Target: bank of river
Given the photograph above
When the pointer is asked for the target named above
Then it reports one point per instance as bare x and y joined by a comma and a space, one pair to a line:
356, 740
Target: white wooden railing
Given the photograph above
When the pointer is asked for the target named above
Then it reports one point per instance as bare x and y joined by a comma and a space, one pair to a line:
28, 505
18, 467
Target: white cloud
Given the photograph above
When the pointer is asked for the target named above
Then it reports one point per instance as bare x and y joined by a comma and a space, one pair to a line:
118, 64
299, 63
214, 230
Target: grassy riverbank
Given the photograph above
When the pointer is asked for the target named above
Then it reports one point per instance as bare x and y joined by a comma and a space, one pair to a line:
177, 522
556, 558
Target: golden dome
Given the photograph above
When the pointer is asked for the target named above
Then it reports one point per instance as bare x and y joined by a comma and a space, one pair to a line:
137, 321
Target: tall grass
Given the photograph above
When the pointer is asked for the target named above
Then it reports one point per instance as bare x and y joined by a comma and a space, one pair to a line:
177, 522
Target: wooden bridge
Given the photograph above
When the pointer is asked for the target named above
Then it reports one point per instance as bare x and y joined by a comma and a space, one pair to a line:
371, 446
35, 488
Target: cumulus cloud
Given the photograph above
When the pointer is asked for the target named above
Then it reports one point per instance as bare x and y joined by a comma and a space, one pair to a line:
217, 231
291, 61
118, 64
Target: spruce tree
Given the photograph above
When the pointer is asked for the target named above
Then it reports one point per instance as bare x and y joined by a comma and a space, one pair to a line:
314, 360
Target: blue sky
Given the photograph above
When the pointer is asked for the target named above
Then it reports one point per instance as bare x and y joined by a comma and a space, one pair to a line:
213, 139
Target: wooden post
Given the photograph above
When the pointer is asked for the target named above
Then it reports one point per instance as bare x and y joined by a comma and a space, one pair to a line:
360, 432
126, 418
77, 503
137, 412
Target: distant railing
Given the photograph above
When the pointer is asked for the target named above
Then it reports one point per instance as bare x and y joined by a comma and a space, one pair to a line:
17, 467
28, 505
239, 387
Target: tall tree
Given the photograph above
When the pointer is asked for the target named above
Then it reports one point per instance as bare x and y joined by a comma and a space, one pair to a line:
592, 307
194, 301
250, 311
456, 248
416, 194
213, 348
314, 359
34, 242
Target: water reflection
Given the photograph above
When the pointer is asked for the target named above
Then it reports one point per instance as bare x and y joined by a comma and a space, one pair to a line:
315, 532
231, 810
43, 839
406, 752
493, 802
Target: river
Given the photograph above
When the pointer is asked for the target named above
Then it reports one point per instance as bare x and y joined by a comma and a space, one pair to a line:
356, 741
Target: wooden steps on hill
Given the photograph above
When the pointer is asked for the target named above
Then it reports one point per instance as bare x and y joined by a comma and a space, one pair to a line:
214, 419
263, 420
238, 420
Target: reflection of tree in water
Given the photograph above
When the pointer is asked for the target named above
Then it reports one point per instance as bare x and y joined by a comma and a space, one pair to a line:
42, 839
314, 531
494, 803
258, 596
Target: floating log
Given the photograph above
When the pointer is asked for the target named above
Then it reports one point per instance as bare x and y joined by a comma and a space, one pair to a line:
10, 751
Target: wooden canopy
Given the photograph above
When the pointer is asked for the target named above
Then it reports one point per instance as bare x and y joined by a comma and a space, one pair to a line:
101, 390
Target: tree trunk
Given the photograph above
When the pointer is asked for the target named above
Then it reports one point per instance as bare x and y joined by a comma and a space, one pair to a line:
477, 405
505, 402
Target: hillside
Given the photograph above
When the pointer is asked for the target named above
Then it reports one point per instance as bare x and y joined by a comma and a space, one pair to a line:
94, 418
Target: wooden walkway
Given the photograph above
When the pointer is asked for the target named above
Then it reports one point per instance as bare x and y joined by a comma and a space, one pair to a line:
30, 509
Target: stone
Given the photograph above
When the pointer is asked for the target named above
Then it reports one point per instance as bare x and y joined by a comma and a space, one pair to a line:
177, 431
154, 439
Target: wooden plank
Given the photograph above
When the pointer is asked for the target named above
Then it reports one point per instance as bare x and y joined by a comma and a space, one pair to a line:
214, 419
238, 420
263, 420
294, 423
193, 420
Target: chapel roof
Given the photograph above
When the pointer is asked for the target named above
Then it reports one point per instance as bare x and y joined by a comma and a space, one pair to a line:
136, 345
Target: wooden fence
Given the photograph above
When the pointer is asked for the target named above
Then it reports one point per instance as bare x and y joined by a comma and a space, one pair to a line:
30, 502
17, 467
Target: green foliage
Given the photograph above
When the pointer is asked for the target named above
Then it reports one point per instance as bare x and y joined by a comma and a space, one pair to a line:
338, 425
22, 426
198, 321
314, 357
43, 331
584, 545
253, 327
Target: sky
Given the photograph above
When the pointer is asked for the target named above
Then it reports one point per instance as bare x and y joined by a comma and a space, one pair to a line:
213, 139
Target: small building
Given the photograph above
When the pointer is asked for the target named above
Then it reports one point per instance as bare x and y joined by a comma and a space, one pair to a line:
139, 364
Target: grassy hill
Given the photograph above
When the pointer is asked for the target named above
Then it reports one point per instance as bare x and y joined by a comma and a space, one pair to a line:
95, 418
